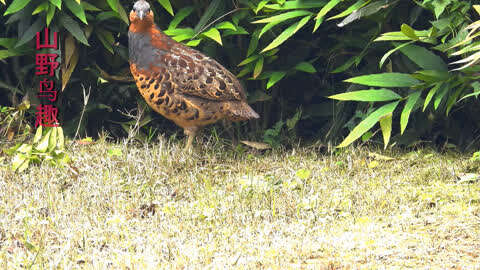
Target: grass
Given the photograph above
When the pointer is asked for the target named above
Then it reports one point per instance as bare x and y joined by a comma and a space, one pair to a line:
124, 206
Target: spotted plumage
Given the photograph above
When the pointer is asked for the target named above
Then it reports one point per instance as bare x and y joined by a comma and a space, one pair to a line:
179, 82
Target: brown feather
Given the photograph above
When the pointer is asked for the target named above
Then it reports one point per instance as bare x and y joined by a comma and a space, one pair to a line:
179, 82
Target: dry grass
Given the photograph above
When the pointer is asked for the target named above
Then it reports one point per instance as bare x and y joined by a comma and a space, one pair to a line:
145, 207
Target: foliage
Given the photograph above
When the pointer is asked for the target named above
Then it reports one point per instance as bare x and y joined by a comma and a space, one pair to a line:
12, 121
427, 79
289, 54
47, 145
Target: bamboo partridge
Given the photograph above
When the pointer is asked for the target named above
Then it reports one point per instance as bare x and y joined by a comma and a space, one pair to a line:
179, 82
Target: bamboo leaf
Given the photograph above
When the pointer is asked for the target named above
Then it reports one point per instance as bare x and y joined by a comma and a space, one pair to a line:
167, 6
305, 67
385, 80
368, 123
249, 60
297, 4
50, 14
275, 77
407, 110
258, 67
368, 95
430, 95
386, 127
72, 26
76, 9
284, 16
408, 31
207, 15
424, 58
69, 66
15, 6
180, 16
385, 56
321, 14
287, 33
28, 35
214, 34
57, 3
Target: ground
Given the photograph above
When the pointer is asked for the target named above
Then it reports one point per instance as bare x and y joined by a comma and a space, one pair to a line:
150, 206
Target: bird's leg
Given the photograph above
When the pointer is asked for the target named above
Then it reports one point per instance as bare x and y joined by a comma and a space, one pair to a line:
190, 132
229, 129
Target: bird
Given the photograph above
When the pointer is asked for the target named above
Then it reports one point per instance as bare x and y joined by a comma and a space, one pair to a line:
181, 83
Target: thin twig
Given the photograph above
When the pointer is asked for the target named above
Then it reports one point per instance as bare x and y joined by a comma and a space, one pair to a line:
216, 20
86, 97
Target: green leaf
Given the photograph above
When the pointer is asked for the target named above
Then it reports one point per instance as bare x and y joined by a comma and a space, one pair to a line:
368, 123
408, 31
52, 141
452, 99
249, 60
21, 160
260, 5
50, 14
253, 42
285, 35
194, 43
226, 25
76, 9
297, 4
57, 3
43, 6
284, 16
214, 34
106, 37
432, 75
395, 36
180, 16
407, 110
38, 135
386, 127
60, 139
8, 42
367, 95
385, 80
28, 35
441, 94
305, 67
331, 4
167, 6
72, 26
386, 55
113, 5
430, 94
89, 7
350, 9
15, 6
9, 53
258, 67
43, 144
275, 77
207, 15
123, 14
424, 58
245, 71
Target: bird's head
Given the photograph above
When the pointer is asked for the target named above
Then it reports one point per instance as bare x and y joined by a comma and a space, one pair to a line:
141, 13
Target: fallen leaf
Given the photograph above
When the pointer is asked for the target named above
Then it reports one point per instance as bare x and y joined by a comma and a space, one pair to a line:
257, 145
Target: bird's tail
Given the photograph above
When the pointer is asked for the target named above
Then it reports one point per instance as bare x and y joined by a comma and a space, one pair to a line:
240, 111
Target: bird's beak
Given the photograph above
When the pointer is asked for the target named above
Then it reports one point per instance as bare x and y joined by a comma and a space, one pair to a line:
141, 14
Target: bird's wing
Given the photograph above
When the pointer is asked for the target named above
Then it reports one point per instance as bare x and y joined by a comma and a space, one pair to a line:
197, 75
